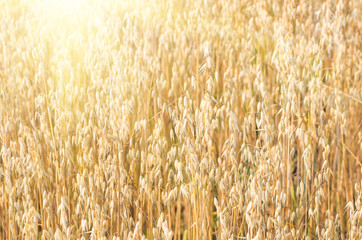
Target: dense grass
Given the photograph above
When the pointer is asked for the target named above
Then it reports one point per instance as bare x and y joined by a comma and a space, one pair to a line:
180, 119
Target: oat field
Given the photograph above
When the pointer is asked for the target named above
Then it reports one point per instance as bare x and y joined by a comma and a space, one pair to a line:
180, 119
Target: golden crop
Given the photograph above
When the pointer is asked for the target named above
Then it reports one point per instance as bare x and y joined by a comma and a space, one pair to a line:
180, 119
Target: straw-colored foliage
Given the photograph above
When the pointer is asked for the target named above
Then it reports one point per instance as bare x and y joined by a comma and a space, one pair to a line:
180, 119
